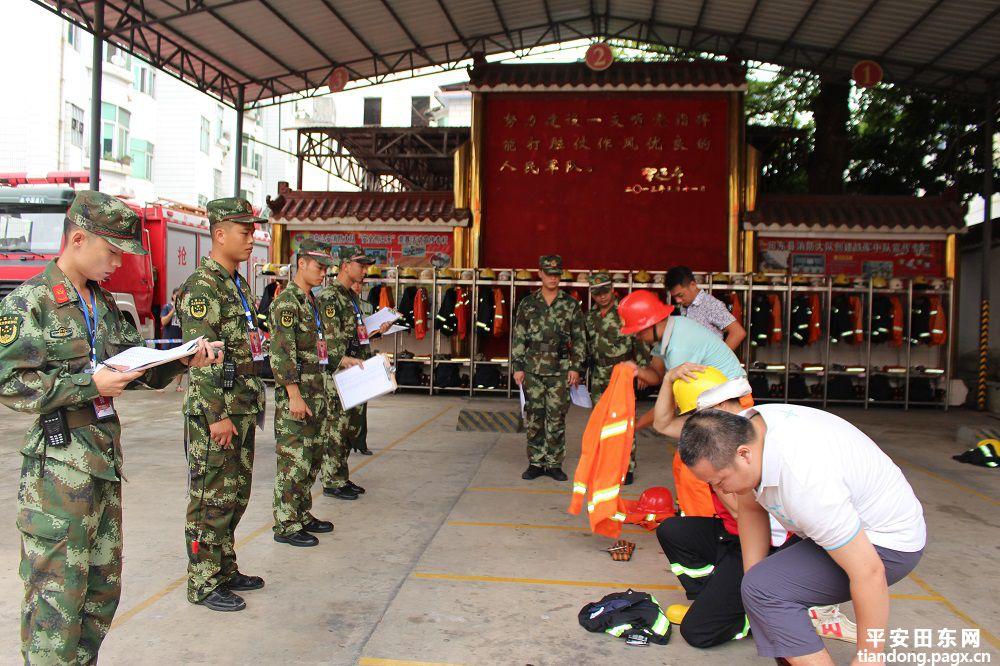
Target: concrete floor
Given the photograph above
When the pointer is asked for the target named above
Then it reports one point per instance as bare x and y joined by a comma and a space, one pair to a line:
452, 558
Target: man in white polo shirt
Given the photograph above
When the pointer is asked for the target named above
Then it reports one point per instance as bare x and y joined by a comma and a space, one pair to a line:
862, 528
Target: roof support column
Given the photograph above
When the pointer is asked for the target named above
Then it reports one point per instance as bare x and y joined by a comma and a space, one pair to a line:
987, 240
96, 79
238, 143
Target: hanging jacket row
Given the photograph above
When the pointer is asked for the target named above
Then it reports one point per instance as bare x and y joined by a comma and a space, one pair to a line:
491, 312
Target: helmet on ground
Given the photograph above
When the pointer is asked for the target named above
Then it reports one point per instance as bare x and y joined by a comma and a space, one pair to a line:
656, 500
709, 389
640, 310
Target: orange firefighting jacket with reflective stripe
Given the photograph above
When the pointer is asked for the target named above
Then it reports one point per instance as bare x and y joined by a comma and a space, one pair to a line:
607, 444
420, 314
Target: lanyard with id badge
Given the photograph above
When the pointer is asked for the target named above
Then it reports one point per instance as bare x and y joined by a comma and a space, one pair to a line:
360, 322
321, 351
104, 407
256, 342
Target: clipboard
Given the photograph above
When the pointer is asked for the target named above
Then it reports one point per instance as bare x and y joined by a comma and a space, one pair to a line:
359, 384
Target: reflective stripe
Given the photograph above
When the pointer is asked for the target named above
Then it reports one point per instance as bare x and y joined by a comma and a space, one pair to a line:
661, 625
620, 517
613, 429
619, 630
590, 507
606, 494
679, 570
580, 488
650, 516
745, 631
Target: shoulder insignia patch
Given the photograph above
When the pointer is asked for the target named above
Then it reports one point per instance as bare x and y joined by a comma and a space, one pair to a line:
287, 319
198, 307
10, 328
59, 291
330, 311
60, 333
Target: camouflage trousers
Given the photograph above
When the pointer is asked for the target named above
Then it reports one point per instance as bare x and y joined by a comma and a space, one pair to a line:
357, 429
335, 471
600, 378
218, 493
299, 446
71, 561
546, 401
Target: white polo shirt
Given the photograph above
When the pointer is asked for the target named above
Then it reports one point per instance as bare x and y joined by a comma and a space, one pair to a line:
825, 480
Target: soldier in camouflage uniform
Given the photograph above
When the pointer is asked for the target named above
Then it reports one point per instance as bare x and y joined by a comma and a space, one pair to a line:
357, 427
54, 331
349, 342
299, 360
547, 356
221, 408
607, 346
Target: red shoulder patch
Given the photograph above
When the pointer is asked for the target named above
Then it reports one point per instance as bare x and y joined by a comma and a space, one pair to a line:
59, 291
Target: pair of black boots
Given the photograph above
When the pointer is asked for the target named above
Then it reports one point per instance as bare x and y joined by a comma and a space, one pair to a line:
224, 599
348, 491
535, 471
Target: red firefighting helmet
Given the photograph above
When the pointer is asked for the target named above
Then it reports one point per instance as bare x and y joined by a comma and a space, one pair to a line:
656, 500
640, 310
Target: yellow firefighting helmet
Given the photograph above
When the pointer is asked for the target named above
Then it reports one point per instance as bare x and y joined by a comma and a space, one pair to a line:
374, 271
642, 277
709, 389
487, 274
523, 275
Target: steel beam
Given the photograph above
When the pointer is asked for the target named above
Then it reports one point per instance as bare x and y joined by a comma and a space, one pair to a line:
987, 241
96, 82
238, 143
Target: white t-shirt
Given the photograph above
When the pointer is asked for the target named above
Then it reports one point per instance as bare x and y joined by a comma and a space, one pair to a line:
825, 480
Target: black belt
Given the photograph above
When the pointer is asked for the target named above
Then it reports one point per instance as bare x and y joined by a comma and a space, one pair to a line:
79, 418
250, 369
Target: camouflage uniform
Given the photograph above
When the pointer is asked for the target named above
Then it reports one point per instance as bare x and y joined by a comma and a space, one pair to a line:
337, 304
607, 346
299, 444
549, 341
209, 304
69, 499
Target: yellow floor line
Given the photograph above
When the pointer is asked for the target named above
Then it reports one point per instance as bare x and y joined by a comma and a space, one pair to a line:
375, 661
122, 618
530, 526
954, 609
934, 475
917, 597
531, 491
542, 581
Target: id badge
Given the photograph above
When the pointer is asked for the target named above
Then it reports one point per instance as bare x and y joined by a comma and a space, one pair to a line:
363, 334
104, 407
256, 345
324, 358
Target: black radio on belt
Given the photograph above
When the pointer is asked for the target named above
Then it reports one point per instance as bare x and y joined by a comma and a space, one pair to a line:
228, 374
55, 428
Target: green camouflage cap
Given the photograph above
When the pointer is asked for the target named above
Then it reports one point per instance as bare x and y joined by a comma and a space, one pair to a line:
109, 218
354, 253
316, 249
600, 282
232, 209
551, 264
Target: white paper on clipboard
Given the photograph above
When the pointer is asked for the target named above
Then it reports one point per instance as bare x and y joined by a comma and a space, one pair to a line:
375, 321
580, 397
359, 384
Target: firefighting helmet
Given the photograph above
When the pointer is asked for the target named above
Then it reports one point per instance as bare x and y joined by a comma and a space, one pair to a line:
841, 281
468, 274
879, 282
523, 275
582, 276
374, 271
921, 282
619, 277
642, 277
640, 310
487, 274
427, 274
720, 278
566, 276
655, 500
709, 389
409, 272
504, 276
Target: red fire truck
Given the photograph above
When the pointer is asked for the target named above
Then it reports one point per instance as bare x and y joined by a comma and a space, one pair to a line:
31, 222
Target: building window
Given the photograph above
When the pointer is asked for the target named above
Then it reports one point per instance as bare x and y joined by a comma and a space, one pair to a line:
117, 56
142, 159
76, 126
217, 183
373, 111
115, 123
419, 106
206, 129
202, 201
73, 35
220, 115
143, 79
258, 162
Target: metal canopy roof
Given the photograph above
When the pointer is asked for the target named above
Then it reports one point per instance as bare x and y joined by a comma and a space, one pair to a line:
276, 48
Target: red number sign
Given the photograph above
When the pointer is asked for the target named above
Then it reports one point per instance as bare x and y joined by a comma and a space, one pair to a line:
599, 56
866, 73
338, 79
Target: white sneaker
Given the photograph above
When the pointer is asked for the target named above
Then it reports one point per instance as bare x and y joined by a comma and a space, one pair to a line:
829, 622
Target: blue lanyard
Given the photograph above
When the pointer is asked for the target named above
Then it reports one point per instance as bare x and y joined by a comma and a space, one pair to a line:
358, 316
319, 322
91, 324
246, 306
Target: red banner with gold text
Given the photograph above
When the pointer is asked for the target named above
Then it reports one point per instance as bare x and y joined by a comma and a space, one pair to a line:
610, 180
